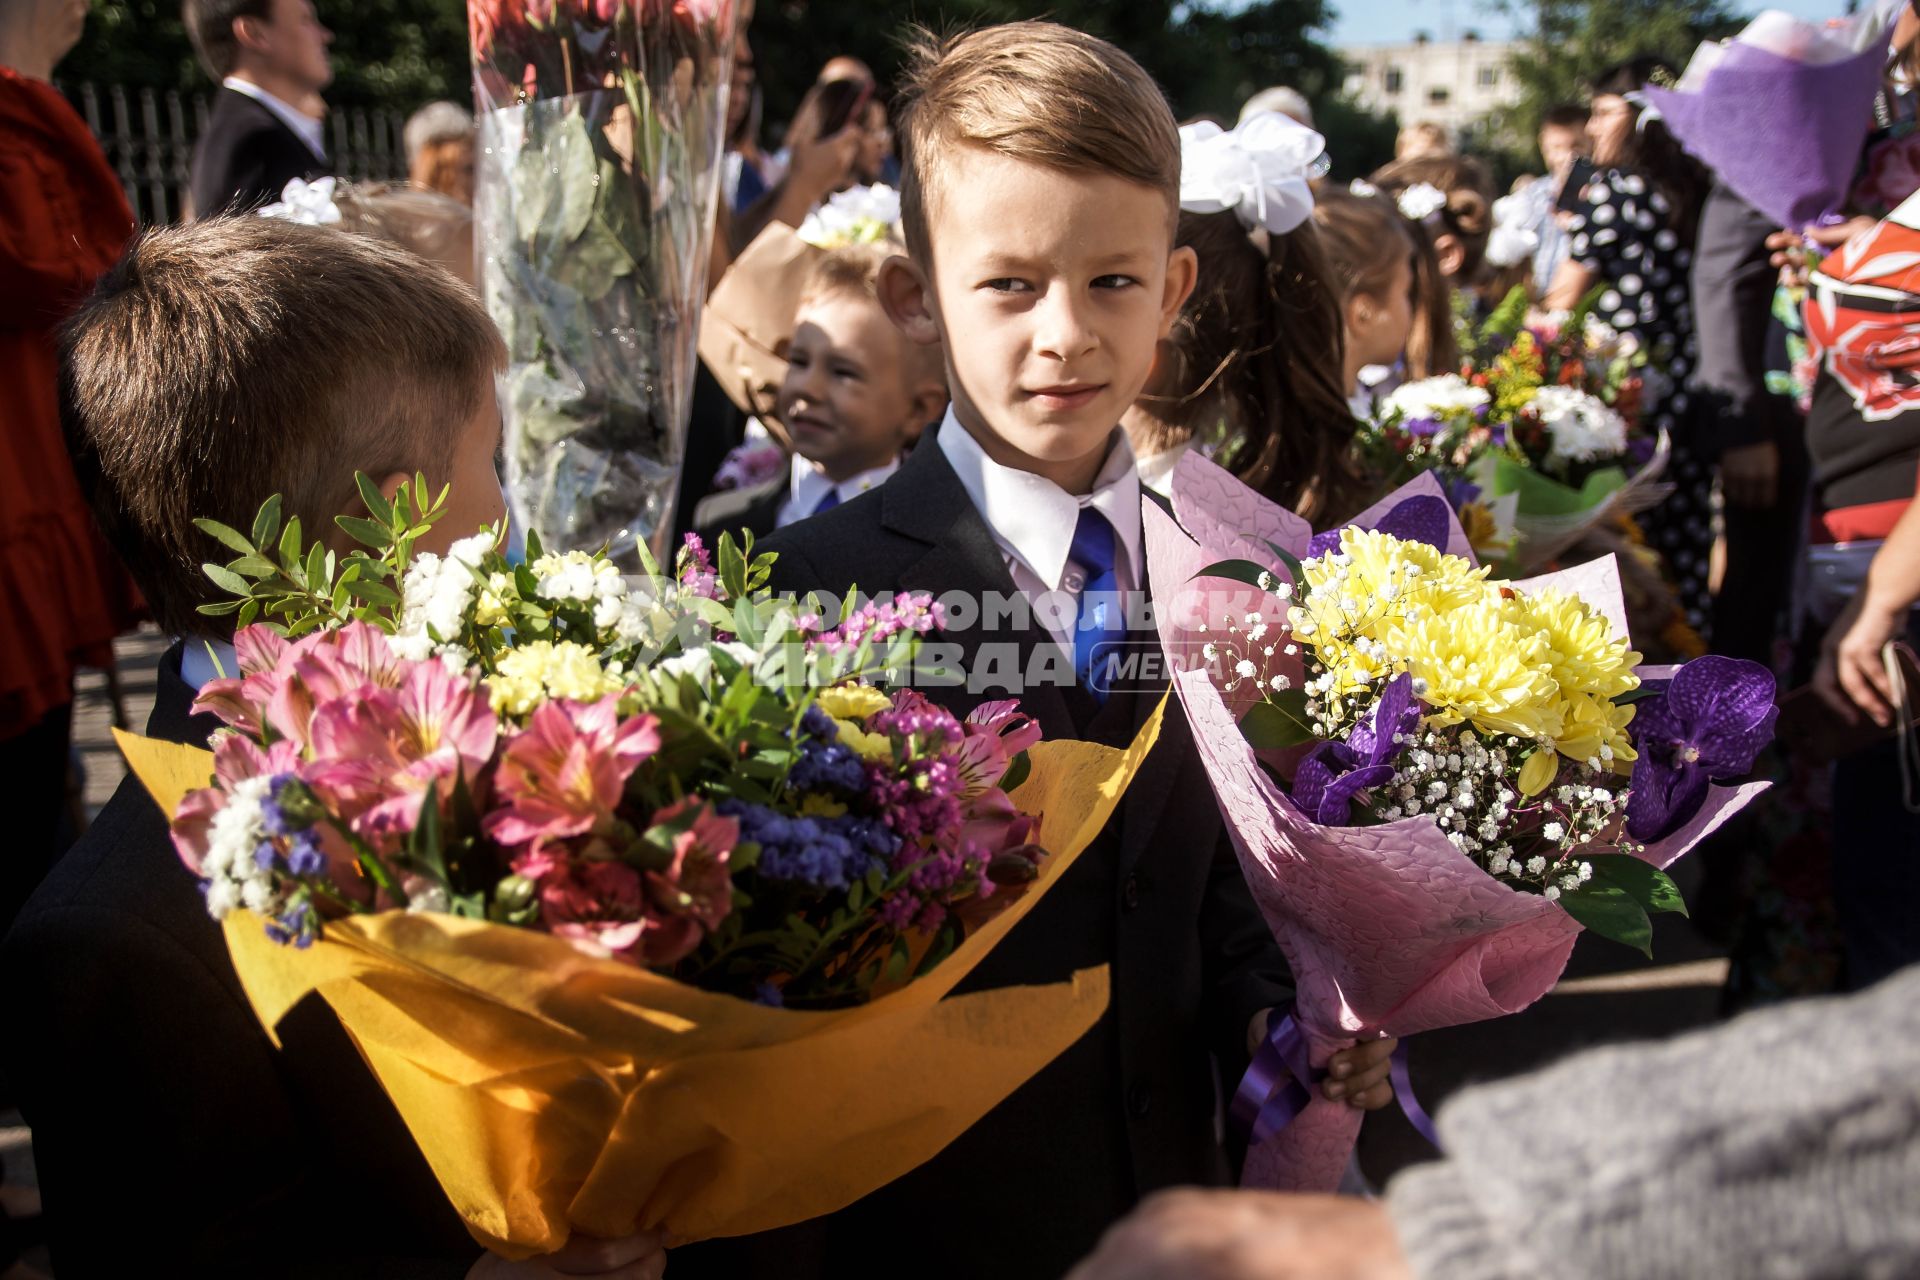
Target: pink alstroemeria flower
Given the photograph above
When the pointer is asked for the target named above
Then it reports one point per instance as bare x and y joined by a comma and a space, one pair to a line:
327, 666
694, 894
377, 750
563, 774
241, 700
996, 732
598, 906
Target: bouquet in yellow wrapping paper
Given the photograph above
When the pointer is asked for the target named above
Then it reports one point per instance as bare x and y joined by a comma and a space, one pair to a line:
640, 899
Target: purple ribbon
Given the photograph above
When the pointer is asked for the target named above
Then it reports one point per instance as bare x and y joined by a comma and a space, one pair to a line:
1277, 1086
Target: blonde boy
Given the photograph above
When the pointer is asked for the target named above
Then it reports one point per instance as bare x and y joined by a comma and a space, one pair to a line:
1040, 194
857, 394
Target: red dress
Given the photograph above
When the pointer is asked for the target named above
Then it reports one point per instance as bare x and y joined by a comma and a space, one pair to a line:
63, 221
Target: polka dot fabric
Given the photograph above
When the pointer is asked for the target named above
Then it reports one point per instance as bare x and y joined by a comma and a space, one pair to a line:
1621, 232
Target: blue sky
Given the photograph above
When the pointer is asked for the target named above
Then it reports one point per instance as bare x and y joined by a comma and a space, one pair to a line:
1386, 21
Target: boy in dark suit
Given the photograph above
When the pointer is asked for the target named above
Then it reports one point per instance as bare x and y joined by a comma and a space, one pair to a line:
270, 57
1040, 195
216, 364
857, 392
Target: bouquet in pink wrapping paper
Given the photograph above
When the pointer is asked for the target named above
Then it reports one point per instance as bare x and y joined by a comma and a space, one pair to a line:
1434, 779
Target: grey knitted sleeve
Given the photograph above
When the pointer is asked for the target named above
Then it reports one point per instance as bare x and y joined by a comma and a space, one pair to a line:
1783, 1144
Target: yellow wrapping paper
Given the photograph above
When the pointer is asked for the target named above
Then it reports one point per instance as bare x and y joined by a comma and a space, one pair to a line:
551, 1091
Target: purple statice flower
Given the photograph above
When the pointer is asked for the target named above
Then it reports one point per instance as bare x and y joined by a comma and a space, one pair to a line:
272, 816
825, 853
1714, 718
826, 765
921, 799
877, 622
1334, 772
749, 465
1421, 518
898, 911
695, 571
297, 924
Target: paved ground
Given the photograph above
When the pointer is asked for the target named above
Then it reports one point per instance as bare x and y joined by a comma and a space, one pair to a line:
1609, 994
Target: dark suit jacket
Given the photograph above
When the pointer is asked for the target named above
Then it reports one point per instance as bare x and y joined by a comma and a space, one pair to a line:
169, 1134
1132, 1106
1733, 286
756, 509
246, 157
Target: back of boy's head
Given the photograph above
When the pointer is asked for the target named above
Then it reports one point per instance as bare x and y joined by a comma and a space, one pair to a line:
853, 271
1033, 91
1468, 215
227, 360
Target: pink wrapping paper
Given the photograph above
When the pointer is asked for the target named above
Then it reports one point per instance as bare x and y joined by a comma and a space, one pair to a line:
1390, 930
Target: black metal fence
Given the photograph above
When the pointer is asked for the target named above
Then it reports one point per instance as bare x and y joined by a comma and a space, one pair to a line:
148, 136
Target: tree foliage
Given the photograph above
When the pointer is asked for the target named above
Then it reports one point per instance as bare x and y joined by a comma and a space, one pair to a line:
1209, 55
1567, 42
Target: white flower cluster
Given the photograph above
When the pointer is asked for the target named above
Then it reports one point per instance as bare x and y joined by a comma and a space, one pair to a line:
1435, 398
1581, 427
233, 874
589, 580
858, 215
434, 599
1421, 201
1606, 342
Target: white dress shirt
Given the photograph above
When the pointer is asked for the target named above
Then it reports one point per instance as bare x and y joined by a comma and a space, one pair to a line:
1156, 470
807, 485
1033, 519
304, 126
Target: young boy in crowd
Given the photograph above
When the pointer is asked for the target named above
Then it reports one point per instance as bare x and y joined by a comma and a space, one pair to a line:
215, 364
1040, 192
856, 395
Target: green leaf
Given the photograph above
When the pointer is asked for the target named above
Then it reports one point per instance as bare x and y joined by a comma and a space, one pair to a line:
1288, 561
318, 579
1611, 913
1645, 883
266, 525
290, 545
1017, 770
254, 566
376, 502
232, 538
897, 961
227, 580
249, 613
221, 608
1278, 722
373, 592
373, 534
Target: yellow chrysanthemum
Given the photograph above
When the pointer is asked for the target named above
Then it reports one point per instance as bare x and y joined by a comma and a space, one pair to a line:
868, 746
1383, 582
1587, 655
1537, 774
1481, 668
852, 701
530, 674
1593, 723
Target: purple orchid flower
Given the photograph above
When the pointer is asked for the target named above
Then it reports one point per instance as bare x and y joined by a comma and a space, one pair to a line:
1421, 427
1334, 772
1714, 718
1460, 491
1422, 518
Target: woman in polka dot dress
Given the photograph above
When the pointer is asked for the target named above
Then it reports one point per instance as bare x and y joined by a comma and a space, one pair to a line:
1631, 233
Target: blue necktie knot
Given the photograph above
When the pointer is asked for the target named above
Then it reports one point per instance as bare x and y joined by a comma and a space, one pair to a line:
828, 501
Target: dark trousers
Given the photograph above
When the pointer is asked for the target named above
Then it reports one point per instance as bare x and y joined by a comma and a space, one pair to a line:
1763, 546
33, 776
1876, 866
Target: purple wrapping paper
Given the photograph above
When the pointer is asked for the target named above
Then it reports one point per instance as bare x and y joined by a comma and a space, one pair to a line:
1784, 135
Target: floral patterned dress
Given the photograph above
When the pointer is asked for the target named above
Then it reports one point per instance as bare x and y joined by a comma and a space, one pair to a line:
1622, 232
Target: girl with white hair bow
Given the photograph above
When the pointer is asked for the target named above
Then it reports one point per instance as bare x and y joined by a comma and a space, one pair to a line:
1252, 370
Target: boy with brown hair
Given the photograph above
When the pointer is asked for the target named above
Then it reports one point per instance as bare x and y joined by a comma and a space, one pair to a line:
1040, 195
214, 365
856, 395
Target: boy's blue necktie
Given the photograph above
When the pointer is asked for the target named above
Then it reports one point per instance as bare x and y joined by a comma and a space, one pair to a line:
1102, 619
827, 503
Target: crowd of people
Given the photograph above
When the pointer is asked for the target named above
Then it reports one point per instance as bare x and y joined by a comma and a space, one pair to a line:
1046, 304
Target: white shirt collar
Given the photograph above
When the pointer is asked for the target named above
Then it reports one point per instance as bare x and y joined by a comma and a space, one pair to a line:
1156, 470
197, 666
1033, 519
807, 485
305, 127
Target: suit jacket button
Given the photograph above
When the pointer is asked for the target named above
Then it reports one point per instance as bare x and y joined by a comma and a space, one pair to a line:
1130, 892
1139, 1099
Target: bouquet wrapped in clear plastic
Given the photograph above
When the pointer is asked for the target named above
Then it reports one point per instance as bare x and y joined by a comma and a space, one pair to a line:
601, 134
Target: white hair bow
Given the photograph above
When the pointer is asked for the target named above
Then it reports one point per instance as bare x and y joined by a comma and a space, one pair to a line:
1421, 201
306, 202
1259, 169
1514, 239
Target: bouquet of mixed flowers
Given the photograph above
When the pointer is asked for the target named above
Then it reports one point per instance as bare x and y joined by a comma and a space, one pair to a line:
1475, 771
1536, 439
575, 828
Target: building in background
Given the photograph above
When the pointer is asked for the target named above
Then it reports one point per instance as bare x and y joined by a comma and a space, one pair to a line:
1452, 83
